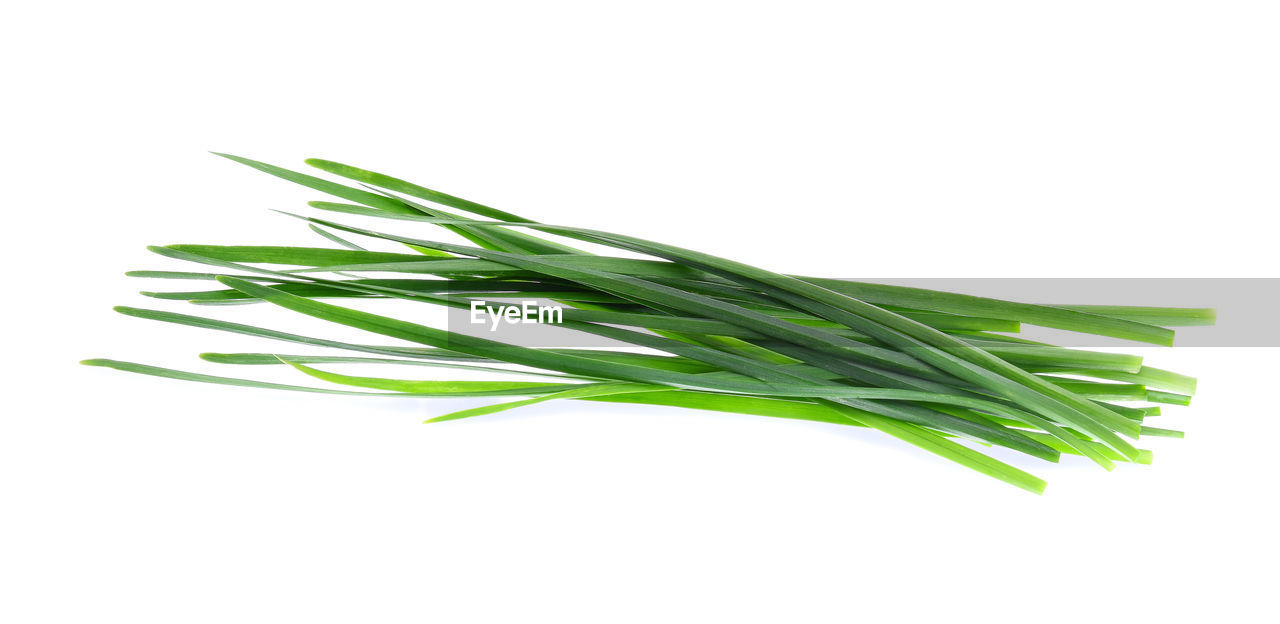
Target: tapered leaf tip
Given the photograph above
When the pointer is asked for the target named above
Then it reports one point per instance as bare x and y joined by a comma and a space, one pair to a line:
233, 157
298, 216
443, 418
244, 161
95, 362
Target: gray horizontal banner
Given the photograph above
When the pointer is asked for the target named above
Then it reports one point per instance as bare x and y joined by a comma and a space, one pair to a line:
1245, 310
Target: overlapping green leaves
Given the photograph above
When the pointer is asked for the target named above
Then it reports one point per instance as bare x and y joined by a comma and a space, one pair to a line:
934, 369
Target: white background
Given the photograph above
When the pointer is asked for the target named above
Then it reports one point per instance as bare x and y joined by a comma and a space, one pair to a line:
908, 139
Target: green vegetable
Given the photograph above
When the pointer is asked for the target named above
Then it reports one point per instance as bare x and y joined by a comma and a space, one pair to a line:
934, 369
